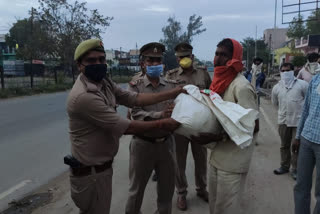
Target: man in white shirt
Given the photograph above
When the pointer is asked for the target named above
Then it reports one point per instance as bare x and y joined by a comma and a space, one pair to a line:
288, 95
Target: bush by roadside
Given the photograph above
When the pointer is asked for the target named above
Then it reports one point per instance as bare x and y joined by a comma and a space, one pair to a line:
48, 88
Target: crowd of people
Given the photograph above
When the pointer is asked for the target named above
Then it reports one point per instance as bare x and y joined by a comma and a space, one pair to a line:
95, 129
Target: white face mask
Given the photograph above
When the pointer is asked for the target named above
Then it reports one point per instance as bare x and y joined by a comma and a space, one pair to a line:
257, 68
287, 77
313, 67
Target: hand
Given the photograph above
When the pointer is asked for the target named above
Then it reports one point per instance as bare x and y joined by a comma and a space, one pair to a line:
179, 89
295, 146
168, 111
205, 138
168, 124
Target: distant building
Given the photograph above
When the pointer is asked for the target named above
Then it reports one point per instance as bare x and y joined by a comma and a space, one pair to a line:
275, 37
308, 44
134, 60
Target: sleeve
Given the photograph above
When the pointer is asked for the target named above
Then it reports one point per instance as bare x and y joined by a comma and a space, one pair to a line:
274, 96
93, 108
246, 97
137, 113
305, 111
124, 97
305, 88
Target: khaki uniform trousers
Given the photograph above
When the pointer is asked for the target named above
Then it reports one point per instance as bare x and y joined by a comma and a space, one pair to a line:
92, 193
225, 191
287, 135
200, 164
144, 158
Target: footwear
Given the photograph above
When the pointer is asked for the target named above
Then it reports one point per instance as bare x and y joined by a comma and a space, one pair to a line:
280, 171
182, 202
204, 195
154, 177
294, 174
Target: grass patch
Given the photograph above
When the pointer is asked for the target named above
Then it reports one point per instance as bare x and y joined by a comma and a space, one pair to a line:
18, 91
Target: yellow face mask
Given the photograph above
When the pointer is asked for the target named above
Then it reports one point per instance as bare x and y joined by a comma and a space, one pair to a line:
185, 62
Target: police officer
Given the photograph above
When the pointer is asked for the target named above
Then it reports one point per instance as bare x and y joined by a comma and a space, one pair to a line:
153, 149
95, 127
186, 73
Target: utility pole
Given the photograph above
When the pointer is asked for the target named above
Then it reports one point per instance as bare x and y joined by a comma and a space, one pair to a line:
247, 55
255, 43
31, 50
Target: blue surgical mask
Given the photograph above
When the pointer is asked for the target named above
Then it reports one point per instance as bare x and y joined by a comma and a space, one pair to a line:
154, 71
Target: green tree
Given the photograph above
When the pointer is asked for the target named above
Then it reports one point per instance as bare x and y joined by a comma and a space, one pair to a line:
173, 35
297, 28
313, 25
299, 60
35, 43
67, 24
248, 45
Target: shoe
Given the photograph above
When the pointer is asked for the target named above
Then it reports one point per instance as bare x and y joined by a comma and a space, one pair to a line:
154, 177
203, 195
182, 202
280, 171
294, 174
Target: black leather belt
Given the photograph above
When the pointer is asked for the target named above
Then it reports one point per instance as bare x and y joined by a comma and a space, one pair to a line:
87, 170
154, 139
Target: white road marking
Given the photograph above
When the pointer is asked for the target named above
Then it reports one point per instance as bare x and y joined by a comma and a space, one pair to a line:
14, 188
269, 121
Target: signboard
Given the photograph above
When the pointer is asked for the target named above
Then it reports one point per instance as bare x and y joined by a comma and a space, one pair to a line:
13, 68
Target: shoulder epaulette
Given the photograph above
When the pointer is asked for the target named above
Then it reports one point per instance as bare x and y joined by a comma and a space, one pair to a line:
136, 81
172, 71
170, 81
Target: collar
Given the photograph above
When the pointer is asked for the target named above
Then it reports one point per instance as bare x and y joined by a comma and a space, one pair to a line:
89, 85
180, 71
147, 82
291, 83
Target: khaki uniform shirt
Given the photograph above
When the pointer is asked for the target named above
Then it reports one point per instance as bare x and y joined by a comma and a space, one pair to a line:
198, 77
226, 155
95, 127
151, 112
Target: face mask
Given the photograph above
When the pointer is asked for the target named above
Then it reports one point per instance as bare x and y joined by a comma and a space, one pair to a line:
312, 67
185, 62
287, 77
154, 71
96, 72
257, 68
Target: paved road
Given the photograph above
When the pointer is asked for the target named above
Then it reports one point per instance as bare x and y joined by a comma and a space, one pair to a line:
33, 141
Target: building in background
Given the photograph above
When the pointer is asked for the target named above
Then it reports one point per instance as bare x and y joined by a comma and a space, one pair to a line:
275, 37
308, 44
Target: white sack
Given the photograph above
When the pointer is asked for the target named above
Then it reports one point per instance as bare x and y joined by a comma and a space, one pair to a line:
193, 114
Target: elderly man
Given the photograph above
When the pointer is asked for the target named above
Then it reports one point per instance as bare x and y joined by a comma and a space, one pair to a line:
288, 95
188, 74
228, 163
95, 127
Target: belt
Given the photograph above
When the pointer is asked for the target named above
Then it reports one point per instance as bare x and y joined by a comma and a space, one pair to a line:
87, 170
153, 139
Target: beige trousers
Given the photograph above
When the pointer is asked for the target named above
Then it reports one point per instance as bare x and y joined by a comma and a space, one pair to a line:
144, 157
92, 194
199, 153
225, 191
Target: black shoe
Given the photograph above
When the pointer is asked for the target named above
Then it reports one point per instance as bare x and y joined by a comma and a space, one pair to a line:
294, 174
154, 177
280, 171
203, 195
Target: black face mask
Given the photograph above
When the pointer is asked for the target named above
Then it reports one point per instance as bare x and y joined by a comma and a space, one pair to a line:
96, 72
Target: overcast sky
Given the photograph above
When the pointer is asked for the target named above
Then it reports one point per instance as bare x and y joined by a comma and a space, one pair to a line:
140, 21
